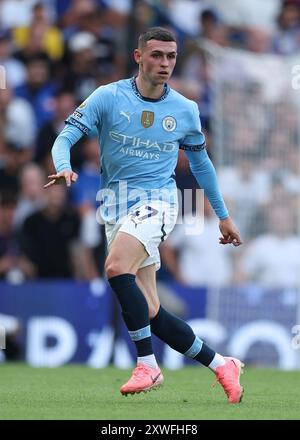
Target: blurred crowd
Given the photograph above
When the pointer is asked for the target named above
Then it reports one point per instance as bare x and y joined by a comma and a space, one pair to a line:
55, 53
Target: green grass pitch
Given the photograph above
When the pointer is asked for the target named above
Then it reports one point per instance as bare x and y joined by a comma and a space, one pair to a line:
78, 392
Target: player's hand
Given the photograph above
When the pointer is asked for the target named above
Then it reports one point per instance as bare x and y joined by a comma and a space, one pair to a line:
229, 232
66, 176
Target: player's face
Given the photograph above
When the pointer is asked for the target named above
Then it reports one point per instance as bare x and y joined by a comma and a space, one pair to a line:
157, 60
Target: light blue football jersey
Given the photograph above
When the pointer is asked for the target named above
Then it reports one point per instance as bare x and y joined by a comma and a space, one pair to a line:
139, 141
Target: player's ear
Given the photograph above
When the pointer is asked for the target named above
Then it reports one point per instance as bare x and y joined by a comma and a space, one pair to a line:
137, 54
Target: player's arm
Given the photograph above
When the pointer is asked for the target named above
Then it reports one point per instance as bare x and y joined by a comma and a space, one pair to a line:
205, 174
79, 123
61, 156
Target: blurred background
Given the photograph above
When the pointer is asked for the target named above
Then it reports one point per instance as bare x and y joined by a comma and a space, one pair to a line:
239, 61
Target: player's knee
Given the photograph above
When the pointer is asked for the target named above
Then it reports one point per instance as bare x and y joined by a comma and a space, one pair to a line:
114, 268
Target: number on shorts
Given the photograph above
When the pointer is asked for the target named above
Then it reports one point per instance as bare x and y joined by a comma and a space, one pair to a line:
141, 214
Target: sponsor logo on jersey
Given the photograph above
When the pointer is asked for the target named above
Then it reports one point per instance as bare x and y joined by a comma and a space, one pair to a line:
169, 123
147, 118
145, 144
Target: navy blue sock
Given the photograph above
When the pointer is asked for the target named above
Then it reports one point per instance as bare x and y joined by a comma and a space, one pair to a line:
178, 335
134, 310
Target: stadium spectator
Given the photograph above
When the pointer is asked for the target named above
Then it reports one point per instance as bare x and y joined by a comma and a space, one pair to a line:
258, 40
13, 159
31, 196
286, 40
64, 103
146, 215
81, 75
8, 244
40, 34
185, 253
15, 13
15, 70
208, 19
17, 121
272, 259
47, 237
240, 183
95, 23
194, 74
71, 15
84, 199
39, 89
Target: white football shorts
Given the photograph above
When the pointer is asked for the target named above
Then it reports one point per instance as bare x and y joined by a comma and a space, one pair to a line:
150, 223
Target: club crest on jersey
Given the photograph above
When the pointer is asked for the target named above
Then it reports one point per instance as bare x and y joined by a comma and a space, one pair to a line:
147, 119
169, 123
